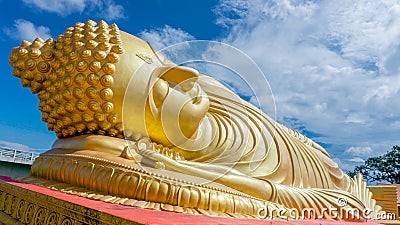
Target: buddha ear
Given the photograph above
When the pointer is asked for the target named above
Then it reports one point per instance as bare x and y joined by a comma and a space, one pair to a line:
177, 74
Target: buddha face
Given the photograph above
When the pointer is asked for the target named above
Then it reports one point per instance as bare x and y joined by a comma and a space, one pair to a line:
164, 102
175, 106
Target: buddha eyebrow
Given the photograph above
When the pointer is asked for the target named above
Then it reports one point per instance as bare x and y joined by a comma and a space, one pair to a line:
155, 53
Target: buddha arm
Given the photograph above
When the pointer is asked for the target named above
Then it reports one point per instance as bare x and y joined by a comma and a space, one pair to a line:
299, 199
255, 187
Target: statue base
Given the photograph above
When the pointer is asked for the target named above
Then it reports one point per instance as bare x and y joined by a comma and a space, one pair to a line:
23, 203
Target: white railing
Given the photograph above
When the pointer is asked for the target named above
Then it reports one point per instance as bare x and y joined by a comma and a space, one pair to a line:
17, 156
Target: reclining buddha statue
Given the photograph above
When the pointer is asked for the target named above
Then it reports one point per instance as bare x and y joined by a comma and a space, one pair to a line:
136, 129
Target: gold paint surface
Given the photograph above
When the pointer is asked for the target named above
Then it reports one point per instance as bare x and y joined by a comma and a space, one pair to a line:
132, 124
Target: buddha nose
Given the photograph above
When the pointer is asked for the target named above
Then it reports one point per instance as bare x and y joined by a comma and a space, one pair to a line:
178, 75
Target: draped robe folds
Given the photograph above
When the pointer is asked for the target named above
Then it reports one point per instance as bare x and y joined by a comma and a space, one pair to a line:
96, 103
238, 140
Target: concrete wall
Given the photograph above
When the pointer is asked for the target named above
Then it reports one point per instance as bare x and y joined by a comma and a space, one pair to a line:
386, 197
14, 169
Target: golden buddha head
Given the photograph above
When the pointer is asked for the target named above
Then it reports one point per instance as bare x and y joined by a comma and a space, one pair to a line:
96, 79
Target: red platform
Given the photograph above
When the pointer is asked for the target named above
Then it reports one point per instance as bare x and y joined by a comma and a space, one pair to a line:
147, 216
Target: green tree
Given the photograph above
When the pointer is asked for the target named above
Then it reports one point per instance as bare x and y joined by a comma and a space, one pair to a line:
385, 167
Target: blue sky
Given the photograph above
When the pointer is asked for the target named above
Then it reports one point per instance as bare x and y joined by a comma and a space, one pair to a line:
333, 66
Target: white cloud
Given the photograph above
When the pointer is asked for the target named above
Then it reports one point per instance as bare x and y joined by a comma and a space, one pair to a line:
357, 160
111, 11
13, 145
396, 124
61, 7
106, 9
343, 164
164, 37
333, 65
359, 151
26, 30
